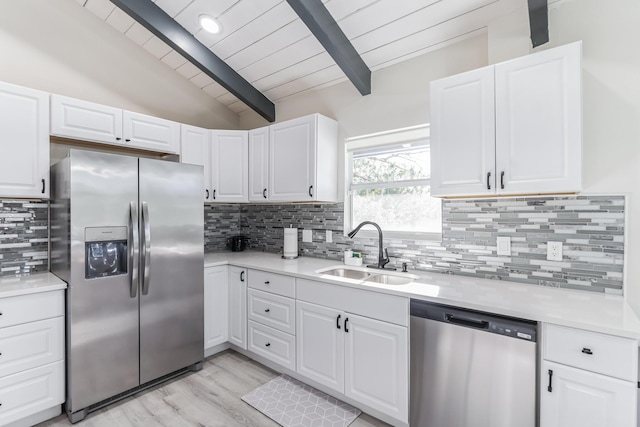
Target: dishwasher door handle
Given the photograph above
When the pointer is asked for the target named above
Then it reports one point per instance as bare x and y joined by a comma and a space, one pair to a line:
464, 321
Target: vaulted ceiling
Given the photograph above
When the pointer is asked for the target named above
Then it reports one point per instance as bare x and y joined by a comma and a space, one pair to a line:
267, 44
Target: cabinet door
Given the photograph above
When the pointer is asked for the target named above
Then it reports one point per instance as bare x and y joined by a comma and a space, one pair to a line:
292, 160
238, 307
463, 134
195, 149
320, 344
230, 165
87, 121
583, 399
150, 133
216, 304
24, 142
539, 122
380, 381
258, 164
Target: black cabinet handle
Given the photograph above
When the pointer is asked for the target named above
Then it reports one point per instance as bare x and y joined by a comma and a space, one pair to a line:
42, 185
207, 194
127, 140
338, 321
118, 138
264, 193
345, 324
549, 389
214, 194
488, 183
266, 310
242, 276
267, 344
310, 193
502, 180
266, 282
587, 351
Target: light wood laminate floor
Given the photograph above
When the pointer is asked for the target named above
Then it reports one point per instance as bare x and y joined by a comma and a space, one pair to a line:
210, 397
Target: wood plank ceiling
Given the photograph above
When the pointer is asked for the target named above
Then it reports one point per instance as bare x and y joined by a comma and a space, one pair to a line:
267, 43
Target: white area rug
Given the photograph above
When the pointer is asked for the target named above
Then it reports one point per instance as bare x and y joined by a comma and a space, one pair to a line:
291, 403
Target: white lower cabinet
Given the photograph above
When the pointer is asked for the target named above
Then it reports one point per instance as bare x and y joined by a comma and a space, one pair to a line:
238, 307
216, 306
572, 397
32, 366
363, 358
587, 379
272, 344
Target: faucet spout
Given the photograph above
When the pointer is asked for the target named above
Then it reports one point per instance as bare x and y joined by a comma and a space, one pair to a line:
383, 254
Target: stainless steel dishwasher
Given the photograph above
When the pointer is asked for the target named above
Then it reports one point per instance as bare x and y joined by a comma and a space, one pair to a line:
471, 369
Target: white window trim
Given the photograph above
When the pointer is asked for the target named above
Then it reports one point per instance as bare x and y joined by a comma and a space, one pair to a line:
399, 136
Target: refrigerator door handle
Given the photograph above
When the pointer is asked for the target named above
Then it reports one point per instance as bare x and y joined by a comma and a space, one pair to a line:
133, 247
146, 248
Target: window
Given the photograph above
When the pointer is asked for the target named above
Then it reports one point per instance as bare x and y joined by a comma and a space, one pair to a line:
388, 180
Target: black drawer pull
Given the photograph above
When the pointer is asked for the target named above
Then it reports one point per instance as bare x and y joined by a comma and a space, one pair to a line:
549, 389
118, 138
266, 282
267, 344
587, 351
127, 140
266, 310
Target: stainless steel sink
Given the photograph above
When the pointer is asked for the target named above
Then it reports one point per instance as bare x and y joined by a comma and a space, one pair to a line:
347, 273
387, 279
365, 275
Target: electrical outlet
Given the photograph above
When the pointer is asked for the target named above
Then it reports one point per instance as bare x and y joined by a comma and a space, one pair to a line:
329, 236
554, 251
307, 236
504, 246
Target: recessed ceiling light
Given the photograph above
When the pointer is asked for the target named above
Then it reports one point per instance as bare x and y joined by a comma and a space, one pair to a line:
209, 24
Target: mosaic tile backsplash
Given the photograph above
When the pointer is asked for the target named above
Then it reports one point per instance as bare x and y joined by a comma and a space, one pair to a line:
24, 237
591, 229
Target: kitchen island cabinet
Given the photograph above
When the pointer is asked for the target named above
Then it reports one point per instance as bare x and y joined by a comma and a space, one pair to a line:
24, 142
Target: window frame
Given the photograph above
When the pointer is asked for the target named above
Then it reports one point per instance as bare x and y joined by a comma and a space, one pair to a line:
388, 138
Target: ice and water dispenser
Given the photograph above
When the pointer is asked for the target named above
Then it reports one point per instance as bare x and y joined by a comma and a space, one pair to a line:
105, 251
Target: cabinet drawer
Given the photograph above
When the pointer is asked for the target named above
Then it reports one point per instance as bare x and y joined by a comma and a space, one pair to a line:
604, 354
32, 307
31, 345
273, 310
31, 391
274, 283
272, 344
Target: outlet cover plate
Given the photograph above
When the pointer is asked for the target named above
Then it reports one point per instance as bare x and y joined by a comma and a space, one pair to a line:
504, 245
554, 251
307, 236
329, 236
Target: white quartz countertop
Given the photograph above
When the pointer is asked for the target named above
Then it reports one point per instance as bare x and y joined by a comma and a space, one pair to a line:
579, 309
39, 282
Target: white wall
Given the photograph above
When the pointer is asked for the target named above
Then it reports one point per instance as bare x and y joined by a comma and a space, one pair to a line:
60, 47
611, 99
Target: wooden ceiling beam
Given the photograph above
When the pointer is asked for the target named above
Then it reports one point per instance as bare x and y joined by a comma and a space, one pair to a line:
539, 22
316, 16
154, 19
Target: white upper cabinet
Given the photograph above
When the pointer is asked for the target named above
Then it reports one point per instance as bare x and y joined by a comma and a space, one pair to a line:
539, 122
229, 166
24, 142
259, 164
463, 134
303, 160
150, 133
195, 149
534, 103
88, 121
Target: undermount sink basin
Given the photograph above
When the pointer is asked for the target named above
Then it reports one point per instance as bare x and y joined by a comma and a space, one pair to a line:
348, 273
365, 275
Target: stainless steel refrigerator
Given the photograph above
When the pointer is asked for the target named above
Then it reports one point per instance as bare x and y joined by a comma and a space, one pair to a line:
127, 237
